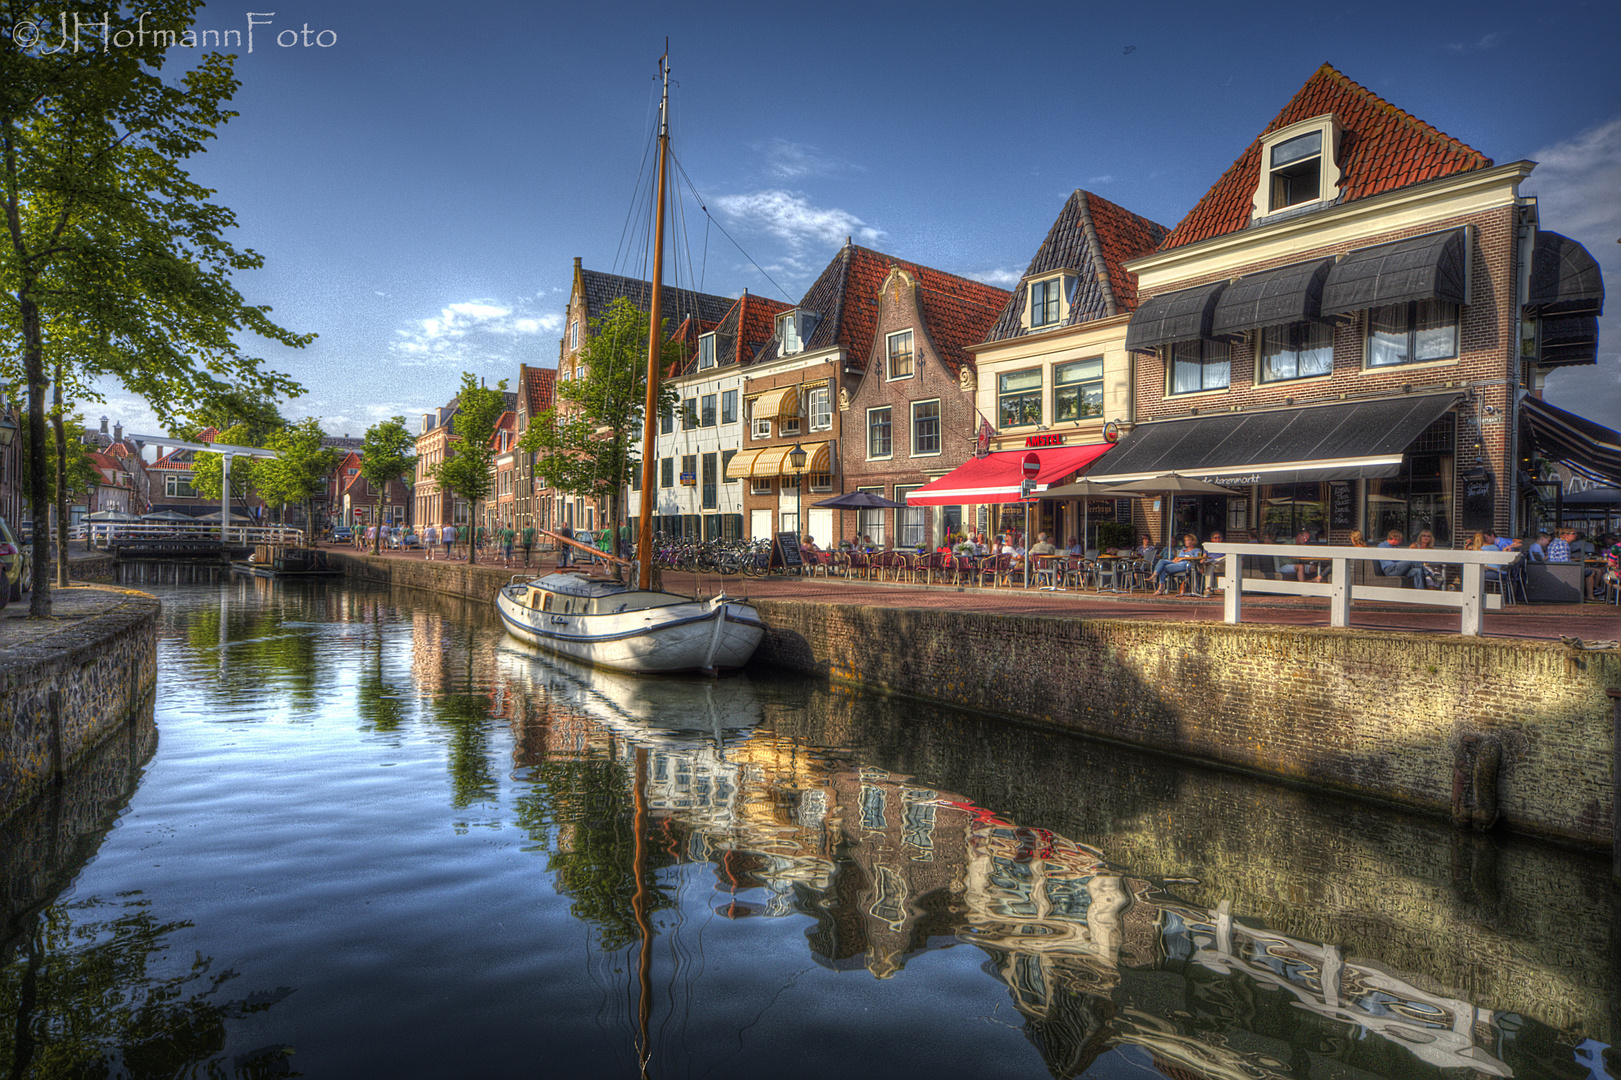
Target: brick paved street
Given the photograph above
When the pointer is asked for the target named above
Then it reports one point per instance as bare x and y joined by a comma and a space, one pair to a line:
1543, 622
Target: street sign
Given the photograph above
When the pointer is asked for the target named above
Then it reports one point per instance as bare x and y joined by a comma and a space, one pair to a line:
1032, 465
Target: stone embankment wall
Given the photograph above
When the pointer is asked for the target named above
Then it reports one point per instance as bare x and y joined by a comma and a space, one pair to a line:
66, 690
1401, 718
1408, 719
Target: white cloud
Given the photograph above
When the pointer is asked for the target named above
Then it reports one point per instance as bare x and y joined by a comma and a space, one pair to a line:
789, 216
1575, 183
477, 332
1486, 42
789, 160
1002, 278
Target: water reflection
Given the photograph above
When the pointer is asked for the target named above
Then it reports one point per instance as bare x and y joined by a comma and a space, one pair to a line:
750, 864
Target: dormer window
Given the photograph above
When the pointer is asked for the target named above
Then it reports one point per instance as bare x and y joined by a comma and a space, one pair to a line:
1048, 302
706, 351
794, 328
1298, 166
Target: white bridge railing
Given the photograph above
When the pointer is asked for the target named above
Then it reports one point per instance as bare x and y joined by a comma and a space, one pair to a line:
1470, 595
107, 533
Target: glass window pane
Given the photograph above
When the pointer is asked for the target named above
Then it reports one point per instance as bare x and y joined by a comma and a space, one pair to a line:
1316, 349
728, 407
1301, 146
1435, 333
1078, 371
1387, 336
1022, 380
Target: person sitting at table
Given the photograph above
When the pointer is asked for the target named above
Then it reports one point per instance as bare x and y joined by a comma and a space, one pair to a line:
1434, 572
1401, 567
1177, 566
1296, 567
1559, 550
1075, 547
1043, 546
1538, 551
1603, 566
1215, 563
809, 544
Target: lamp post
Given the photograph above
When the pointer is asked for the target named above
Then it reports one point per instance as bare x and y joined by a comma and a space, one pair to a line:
796, 461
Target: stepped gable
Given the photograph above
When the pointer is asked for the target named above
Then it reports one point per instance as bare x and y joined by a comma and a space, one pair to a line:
1382, 149
1097, 254
600, 290
845, 297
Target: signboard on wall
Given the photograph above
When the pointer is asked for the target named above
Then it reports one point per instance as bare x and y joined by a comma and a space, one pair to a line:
787, 553
1341, 505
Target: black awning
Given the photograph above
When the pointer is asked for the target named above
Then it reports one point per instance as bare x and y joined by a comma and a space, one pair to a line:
1289, 294
1565, 279
1591, 449
1568, 340
1429, 267
1343, 441
1173, 317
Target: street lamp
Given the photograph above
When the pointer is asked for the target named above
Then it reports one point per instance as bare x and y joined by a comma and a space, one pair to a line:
8, 429
796, 461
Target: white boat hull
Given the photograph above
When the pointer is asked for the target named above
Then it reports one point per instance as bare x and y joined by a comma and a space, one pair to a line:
651, 632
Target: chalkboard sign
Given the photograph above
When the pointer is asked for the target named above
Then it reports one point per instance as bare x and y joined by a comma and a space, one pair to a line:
786, 552
1478, 499
1341, 505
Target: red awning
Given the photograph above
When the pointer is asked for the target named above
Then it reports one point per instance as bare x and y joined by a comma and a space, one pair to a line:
995, 478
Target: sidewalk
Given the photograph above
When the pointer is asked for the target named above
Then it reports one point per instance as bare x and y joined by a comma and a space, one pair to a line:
1535, 622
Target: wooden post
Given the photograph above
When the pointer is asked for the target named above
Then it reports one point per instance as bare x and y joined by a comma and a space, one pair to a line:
1615, 791
1339, 601
1232, 597
1474, 599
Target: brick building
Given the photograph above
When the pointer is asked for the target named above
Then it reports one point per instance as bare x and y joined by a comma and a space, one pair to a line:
434, 506
1338, 332
536, 394
355, 502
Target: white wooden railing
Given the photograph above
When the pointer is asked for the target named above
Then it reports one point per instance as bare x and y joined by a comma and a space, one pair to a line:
104, 533
1471, 596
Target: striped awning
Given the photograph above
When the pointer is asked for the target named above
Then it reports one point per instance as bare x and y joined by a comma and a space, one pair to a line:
773, 461
1588, 448
741, 463
776, 403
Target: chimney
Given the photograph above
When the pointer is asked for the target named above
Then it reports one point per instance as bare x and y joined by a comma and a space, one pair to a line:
118, 433
104, 425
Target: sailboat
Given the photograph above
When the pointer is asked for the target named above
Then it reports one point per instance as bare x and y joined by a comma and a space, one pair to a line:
613, 624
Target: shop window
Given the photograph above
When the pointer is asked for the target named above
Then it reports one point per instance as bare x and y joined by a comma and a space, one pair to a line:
911, 522
870, 519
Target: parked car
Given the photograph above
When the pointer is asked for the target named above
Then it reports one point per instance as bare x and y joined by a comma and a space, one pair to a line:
18, 575
342, 535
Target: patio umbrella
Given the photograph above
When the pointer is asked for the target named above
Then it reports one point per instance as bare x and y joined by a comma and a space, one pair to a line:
167, 515
215, 516
111, 515
858, 500
1172, 484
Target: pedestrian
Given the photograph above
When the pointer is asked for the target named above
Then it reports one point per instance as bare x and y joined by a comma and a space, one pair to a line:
506, 543
565, 554
447, 537
528, 542
430, 537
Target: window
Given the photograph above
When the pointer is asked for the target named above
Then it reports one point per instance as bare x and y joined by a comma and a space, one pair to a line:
1044, 301
178, 487
689, 414
1078, 390
1019, 398
726, 457
689, 470
911, 522
667, 472
870, 519
574, 334
878, 433
728, 407
706, 351
759, 485
635, 476
1296, 175
900, 354
760, 429
1199, 365
788, 334
925, 427
820, 407
1296, 351
706, 411
1413, 333
821, 481
667, 421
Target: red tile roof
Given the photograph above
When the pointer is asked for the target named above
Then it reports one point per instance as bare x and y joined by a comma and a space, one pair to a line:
756, 322
1122, 235
1383, 148
541, 386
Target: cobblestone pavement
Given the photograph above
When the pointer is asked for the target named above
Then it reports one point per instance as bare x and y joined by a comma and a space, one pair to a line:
1539, 622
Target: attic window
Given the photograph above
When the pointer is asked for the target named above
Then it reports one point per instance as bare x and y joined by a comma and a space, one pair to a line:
1049, 301
1298, 166
794, 328
706, 351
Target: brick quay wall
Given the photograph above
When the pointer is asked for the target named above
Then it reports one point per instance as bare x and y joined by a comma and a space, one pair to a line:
68, 686
1477, 729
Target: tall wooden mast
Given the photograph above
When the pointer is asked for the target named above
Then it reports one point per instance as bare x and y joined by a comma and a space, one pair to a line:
644, 526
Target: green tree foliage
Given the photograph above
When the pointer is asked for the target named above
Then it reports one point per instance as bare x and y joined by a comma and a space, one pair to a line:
301, 467
207, 470
250, 415
114, 262
466, 468
387, 453
82, 474
589, 441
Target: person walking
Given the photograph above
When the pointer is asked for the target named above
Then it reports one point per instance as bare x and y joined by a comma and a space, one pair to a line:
565, 554
447, 537
430, 537
527, 542
506, 544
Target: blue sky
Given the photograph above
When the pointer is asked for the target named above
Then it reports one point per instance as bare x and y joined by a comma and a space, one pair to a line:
420, 187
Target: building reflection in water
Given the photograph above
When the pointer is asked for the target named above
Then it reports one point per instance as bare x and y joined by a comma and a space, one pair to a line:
1097, 961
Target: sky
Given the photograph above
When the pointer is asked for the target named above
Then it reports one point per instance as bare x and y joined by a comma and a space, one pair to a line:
420, 177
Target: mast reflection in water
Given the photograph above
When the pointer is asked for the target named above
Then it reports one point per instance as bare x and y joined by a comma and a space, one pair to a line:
431, 851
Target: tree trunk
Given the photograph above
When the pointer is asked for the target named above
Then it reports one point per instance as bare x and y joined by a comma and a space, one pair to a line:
38, 487
472, 535
61, 483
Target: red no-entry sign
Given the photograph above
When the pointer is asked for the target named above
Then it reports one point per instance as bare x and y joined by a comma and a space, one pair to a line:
1032, 465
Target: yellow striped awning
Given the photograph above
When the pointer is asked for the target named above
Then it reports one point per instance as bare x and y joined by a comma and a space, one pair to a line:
821, 456
770, 461
741, 463
776, 403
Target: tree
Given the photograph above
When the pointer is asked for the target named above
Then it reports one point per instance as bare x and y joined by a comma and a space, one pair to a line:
114, 262
301, 467
387, 453
208, 470
466, 468
588, 443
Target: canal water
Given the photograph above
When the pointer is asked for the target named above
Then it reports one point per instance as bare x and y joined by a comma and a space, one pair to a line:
369, 835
